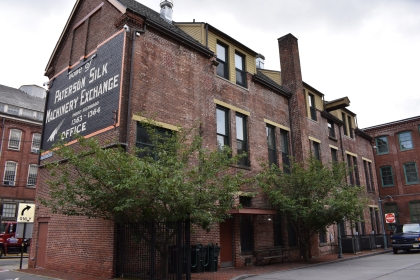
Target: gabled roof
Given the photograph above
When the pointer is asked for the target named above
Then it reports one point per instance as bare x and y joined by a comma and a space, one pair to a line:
152, 18
18, 98
260, 77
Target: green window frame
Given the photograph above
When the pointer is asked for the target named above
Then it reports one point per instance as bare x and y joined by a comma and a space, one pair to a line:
406, 141
382, 145
414, 211
387, 178
411, 174
316, 150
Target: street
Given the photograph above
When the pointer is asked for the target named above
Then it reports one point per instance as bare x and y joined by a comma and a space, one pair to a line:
384, 267
8, 264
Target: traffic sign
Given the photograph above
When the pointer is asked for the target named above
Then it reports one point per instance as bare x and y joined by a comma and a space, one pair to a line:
26, 213
390, 218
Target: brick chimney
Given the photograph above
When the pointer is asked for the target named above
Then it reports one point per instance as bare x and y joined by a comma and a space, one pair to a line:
291, 76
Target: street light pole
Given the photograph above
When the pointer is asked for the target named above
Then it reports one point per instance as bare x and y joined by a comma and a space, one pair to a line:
382, 222
340, 249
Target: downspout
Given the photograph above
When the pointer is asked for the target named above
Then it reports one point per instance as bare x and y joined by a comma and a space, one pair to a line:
291, 126
43, 123
2, 137
130, 90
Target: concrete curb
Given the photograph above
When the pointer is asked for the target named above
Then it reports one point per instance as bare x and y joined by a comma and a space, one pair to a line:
317, 264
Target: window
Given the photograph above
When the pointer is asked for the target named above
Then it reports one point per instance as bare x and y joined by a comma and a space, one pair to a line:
369, 185
405, 141
316, 150
36, 142
291, 234
144, 141
240, 69
278, 231
271, 142
311, 100
415, 211
9, 210
12, 110
10, 173
222, 58
247, 233
222, 127
350, 126
245, 201
410, 171
356, 171
32, 174
343, 118
386, 176
331, 130
14, 139
322, 236
350, 165
2, 107
334, 157
27, 113
241, 139
284, 138
372, 185
374, 219
382, 145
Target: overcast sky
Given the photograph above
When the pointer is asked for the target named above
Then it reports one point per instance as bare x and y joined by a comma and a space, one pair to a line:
368, 50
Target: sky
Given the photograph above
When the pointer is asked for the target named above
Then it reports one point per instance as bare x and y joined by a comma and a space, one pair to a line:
367, 50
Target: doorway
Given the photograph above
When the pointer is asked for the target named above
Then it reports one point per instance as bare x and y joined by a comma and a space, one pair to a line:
226, 243
41, 249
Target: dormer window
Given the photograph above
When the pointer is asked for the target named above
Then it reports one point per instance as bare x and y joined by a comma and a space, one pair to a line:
222, 58
240, 69
311, 100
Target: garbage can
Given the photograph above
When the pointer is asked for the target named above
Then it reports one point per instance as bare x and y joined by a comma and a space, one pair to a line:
197, 258
213, 258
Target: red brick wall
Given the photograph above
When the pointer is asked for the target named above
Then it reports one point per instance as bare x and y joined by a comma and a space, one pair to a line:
23, 157
401, 193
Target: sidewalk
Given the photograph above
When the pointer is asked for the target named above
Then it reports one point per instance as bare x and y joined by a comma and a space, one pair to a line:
225, 273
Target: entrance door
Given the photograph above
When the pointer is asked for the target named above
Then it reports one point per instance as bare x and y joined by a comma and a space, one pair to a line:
41, 250
226, 242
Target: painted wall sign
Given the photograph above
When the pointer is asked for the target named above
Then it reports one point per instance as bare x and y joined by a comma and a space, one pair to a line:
86, 99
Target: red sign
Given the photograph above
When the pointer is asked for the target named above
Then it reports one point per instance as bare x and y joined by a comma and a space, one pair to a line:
390, 218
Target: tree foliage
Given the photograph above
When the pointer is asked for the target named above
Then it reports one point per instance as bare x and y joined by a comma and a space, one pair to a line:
312, 196
174, 180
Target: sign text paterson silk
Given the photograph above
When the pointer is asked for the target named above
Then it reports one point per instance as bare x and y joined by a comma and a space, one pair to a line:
85, 99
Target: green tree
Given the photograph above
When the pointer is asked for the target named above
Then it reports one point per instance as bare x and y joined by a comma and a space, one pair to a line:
175, 179
312, 196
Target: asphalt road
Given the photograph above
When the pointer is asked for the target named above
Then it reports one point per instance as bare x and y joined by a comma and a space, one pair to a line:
8, 264
403, 266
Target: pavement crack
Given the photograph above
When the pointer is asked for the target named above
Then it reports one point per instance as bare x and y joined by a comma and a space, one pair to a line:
389, 273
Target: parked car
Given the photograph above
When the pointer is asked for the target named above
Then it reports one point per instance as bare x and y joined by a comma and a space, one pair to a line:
406, 237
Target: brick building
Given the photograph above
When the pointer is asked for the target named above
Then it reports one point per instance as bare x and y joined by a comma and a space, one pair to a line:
125, 58
397, 158
21, 113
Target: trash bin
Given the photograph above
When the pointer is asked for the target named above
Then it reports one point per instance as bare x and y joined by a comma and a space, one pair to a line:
197, 258
213, 258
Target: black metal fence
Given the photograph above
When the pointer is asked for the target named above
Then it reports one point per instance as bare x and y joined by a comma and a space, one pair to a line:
153, 251
358, 243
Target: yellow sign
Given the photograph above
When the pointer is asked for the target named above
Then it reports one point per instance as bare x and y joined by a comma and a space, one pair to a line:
26, 213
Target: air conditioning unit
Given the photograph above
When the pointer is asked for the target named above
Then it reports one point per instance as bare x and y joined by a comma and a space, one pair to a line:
9, 183
33, 150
